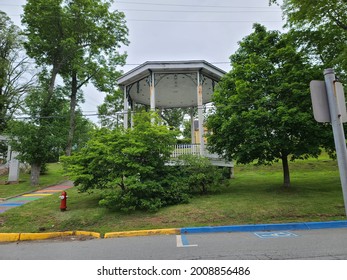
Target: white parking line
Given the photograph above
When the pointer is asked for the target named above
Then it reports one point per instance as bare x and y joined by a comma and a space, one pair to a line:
182, 241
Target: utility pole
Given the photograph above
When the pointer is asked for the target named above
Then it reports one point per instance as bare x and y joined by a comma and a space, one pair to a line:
337, 125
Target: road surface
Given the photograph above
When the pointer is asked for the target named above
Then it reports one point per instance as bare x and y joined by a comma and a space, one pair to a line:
325, 244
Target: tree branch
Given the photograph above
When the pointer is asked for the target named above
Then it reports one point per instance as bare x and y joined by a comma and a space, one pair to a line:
338, 22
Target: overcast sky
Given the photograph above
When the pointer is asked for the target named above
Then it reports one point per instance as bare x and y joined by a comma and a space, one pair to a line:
179, 30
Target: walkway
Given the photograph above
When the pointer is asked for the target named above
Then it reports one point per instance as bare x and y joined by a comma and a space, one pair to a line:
28, 197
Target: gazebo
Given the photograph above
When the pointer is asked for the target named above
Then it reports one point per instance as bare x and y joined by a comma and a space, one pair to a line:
173, 84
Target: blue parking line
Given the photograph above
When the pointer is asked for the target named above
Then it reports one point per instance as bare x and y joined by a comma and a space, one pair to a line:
185, 241
265, 227
182, 241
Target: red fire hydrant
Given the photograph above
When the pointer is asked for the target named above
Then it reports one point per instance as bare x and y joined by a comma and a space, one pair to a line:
63, 198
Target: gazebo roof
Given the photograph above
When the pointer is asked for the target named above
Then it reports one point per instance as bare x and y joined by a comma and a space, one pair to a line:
175, 82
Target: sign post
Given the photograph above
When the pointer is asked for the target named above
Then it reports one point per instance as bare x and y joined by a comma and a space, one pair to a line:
333, 92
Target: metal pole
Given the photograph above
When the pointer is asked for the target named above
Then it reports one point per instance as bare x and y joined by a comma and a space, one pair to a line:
339, 135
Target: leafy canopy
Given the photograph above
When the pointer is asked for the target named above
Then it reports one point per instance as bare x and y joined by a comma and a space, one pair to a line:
321, 28
263, 107
38, 139
76, 36
16, 71
111, 156
131, 167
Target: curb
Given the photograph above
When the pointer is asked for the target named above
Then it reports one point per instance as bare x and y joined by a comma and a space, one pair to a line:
266, 227
169, 231
14, 237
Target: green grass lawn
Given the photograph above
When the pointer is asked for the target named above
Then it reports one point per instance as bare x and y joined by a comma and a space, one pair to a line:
254, 196
54, 175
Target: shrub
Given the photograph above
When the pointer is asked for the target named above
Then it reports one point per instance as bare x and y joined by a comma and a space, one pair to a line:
130, 166
148, 195
201, 176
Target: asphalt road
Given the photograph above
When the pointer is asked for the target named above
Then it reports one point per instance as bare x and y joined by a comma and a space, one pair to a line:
324, 244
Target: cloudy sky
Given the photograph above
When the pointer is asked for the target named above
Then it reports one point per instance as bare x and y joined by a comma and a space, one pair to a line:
179, 30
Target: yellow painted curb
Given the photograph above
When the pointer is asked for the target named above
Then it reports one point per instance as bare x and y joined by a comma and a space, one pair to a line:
88, 233
167, 231
43, 235
9, 237
13, 237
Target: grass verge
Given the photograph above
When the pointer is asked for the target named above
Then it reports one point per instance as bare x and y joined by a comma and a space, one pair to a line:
254, 196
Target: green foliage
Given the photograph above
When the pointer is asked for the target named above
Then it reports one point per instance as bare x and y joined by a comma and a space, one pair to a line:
109, 111
320, 27
263, 107
199, 174
16, 77
174, 116
148, 195
38, 140
129, 165
77, 36
78, 40
39, 137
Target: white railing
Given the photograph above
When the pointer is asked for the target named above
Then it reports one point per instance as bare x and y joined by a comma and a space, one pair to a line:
185, 149
191, 149
194, 149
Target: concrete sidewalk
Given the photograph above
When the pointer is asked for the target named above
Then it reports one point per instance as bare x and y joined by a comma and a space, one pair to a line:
28, 197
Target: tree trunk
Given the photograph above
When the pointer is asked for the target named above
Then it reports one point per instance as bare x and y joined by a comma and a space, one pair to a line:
73, 103
51, 85
286, 174
35, 174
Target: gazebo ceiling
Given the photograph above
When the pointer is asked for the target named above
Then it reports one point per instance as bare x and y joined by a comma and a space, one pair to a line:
175, 82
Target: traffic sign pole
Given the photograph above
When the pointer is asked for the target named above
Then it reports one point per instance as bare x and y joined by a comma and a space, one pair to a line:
337, 125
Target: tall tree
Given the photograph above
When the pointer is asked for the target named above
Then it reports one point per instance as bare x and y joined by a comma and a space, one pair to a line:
38, 138
321, 27
99, 33
46, 43
81, 44
263, 107
16, 72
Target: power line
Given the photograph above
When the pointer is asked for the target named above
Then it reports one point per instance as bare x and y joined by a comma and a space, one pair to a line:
189, 21
175, 5
201, 21
194, 6
195, 11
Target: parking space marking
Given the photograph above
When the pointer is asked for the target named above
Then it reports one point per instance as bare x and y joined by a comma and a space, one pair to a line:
275, 234
182, 241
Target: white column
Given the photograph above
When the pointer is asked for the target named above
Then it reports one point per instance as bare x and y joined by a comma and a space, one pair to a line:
200, 115
152, 92
192, 130
126, 108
